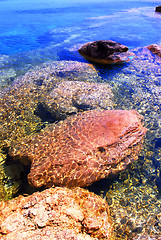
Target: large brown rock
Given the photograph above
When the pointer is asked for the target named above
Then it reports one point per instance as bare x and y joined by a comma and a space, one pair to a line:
82, 149
156, 49
106, 52
56, 213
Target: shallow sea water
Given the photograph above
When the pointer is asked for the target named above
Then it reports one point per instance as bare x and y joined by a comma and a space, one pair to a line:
35, 32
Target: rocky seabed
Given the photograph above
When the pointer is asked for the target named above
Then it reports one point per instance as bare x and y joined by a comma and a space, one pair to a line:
82, 151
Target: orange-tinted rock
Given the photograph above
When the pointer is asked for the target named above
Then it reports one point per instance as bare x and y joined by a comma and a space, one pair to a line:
106, 52
82, 149
156, 49
56, 213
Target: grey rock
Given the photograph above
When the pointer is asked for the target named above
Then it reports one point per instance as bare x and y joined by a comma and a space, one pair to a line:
70, 97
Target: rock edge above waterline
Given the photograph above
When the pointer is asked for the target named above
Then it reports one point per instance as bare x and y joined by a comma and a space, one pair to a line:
56, 213
106, 52
155, 48
158, 9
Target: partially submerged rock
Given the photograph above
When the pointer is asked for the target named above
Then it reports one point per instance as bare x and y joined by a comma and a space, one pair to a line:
82, 149
156, 49
106, 52
56, 213
158, 9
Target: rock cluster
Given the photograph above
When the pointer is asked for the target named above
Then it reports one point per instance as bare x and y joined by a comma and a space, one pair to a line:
42, 93
56, 213
83, 148
106, 52
77, 151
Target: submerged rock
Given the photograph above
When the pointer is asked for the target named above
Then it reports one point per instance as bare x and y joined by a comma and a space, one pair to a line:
48, 74
6, 77
106, 52
82, 149
69, 97
156, 49
19, 109
21, 112
146, 237
17, 113
136, 196
56, 213
10, 177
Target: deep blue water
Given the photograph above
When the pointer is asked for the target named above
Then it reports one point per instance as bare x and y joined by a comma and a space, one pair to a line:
63, 25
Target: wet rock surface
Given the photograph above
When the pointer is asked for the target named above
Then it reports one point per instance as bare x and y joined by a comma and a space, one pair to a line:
106, 52
27, 106
82, 149
135, 193
45, 74
146, 237
58, 213
134, 196
158, 9
134, 205
17, 118
21, 108
41, 97
154, 48
6, 77
70, 97
7, 187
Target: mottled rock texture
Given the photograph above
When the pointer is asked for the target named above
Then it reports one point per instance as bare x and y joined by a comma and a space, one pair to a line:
146, 237
82, 149
70, 97
106, 52
156, 49
22, 110
56, 213
20, 104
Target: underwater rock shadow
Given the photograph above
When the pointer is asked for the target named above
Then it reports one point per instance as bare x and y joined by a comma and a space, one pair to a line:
102, 70
110, 70
66, 55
